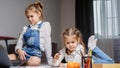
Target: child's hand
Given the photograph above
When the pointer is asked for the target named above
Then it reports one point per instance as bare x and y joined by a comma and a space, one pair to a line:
92, 41
56, 57
22, 54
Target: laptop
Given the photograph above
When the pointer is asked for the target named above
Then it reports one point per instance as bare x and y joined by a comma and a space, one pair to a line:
4, 60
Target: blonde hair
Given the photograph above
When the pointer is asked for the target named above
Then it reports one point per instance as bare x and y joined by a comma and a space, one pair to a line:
36, 7
77, 33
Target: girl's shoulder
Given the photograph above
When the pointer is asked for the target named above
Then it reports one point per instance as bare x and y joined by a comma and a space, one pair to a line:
46, 26
46, 23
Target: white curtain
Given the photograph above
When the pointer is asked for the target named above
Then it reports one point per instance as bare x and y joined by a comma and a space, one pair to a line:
106, 18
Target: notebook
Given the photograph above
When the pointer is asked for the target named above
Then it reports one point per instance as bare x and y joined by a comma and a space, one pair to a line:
4, 60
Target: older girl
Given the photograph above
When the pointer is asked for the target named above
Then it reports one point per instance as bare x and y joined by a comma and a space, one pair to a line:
35, 37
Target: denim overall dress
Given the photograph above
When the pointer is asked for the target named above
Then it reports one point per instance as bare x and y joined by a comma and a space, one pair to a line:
32, 42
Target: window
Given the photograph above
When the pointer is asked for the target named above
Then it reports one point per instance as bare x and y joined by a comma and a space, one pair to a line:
106, 18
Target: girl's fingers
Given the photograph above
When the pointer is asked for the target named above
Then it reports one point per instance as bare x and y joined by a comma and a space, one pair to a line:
57, 56
24, 58
22, 55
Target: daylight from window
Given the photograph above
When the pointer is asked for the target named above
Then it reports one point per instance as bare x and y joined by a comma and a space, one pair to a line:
106, 18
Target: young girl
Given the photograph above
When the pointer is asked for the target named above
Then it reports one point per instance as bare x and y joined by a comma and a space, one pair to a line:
35, 37
73, 50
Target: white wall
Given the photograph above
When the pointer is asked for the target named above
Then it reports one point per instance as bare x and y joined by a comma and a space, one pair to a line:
67, 14
12, 17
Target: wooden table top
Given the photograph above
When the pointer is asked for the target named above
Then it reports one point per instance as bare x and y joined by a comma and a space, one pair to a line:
94, 66
106, 65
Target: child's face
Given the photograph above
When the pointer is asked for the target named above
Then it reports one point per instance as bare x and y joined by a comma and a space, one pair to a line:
33, 17
71, 42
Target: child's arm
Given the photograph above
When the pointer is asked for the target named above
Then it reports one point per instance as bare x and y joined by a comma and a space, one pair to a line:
58, 58
47, 41
19, 45
20, 42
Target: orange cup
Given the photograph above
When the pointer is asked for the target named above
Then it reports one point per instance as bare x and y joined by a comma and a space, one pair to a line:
73, 65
